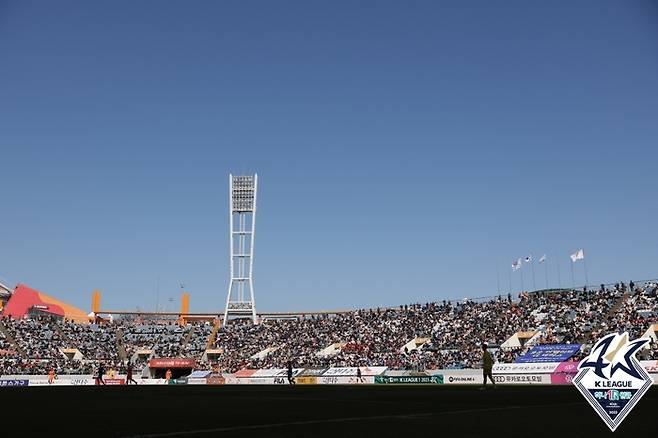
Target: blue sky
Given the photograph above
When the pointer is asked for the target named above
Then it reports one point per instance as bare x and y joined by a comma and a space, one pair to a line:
404, 149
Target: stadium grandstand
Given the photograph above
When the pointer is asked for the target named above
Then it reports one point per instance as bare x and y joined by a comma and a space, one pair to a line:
39, 333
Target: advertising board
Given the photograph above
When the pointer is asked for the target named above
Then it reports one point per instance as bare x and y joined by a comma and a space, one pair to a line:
345, 380
276, 372
523, 379
172, 363
215, 380
424, 380
351, 371
9, 383
263, 381
462, 377
549, 353
306, 380
525, 368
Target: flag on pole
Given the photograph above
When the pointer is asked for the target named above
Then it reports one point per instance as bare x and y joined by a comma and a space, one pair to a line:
578, 255
542, 259
528, 259
516, 264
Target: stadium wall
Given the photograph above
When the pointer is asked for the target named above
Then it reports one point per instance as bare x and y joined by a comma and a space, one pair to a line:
558, 373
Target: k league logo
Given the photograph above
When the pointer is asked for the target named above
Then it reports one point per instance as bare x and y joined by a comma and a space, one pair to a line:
611, 378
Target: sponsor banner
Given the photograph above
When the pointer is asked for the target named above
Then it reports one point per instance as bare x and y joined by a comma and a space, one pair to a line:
650, 366
151, 381
549, 353
523, 379
306, 380
43, 381
215, 380
435, 379
200, 374
521, 368
313, 371
276, 372
404, 373
115, 381
21, 382
345, 380
466, 377
230, 379
172, 363
196, 381
263, 381
567, 367
365, 371
245, 373
562, 378
564, 373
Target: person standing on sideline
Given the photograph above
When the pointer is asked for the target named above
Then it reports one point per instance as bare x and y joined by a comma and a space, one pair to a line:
51, 376
129, 374
291, 379
359, 378
487, 366
99, 377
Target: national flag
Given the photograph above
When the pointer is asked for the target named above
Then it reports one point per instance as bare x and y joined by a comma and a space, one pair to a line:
578, 255
516, 264
528, 259
542, 259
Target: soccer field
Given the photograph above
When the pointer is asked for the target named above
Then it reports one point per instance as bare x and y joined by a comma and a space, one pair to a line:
314, 411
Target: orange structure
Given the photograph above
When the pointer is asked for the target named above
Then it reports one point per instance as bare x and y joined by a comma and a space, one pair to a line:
27, 301
184, 308
96, 302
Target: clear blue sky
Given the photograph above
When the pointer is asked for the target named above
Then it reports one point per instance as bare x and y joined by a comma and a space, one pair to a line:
404, 149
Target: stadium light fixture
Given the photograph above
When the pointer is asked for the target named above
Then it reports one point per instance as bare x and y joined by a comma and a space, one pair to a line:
242, 231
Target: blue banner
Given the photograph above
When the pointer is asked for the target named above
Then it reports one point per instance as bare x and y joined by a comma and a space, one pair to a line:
14, 382
549, 353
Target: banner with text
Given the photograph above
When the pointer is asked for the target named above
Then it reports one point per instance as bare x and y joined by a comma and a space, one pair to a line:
522, 368
549, 353
435, 379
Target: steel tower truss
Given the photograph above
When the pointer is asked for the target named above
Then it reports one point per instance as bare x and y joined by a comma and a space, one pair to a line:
242, 198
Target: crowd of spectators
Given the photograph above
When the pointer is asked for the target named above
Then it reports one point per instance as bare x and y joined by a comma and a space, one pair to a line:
95, 341
637, 312
40, 367
164, 339
37, 338
453, 332
5, 345
417, 337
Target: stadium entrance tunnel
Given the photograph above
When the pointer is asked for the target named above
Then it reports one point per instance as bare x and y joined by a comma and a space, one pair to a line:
176, 373
158, 368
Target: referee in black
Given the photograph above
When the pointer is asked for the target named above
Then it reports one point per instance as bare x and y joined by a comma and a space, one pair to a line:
129, 374
101, 371
291, 379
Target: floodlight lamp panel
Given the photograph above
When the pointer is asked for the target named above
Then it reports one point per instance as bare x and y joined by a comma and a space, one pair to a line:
243, 193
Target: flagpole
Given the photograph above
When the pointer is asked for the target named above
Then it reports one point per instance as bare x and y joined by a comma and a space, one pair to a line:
510, 281
498, 276
532, 266
585, 266
521, 269
546, 269
559, 277
573, 278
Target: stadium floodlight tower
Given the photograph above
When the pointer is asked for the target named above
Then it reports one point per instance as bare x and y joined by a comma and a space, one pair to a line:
242, 201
